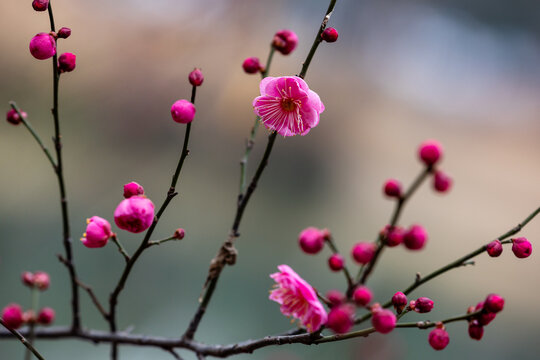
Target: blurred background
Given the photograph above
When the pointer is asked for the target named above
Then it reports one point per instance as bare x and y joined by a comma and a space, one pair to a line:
465, 73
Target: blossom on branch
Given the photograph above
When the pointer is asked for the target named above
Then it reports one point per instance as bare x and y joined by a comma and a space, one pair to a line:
287, 105
297, 298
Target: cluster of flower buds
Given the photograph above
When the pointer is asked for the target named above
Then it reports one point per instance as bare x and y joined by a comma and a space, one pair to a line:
487, 311
413, 238
521, 247
13, 314
43, 45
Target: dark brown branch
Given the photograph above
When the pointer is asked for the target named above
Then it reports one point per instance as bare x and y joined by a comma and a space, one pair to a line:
22, 339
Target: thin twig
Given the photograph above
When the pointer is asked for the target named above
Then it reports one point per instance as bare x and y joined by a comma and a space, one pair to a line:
120, 247
22, 339
159, 242
333, 248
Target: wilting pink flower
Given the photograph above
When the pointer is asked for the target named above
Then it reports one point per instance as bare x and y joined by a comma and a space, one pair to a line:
43, 46
42, 280
438, 339
133, 189
285, 41
98, 232
297, 298
287, 105
135, 214
46, 316
13, 316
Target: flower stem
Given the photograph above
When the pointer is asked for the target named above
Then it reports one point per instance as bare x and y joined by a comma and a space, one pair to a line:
331, 244
23, 340
120, 247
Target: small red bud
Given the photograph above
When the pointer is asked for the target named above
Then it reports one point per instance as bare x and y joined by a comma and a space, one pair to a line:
330, 35
40, 5
63, 33
336, 262
179, 234
196, 77
494, 248
251, 65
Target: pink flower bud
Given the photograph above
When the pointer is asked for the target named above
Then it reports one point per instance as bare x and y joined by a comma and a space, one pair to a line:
430, 151
132, 189
43, 46
415, 238
336, 262
42, 280
13, 118
394, 237
494, 248
13, 316
179, 234
441, 182
341, 318
135, 214
521, 247
493, 303
383, 320
438, 339
40, 5
196, 77
399, 300
329, 35
98, 232
28, 278
29, 317
311, 240
66, 62
363, 252
335, 297
362, 296
63, 33
423, 305
182, 111
251, 65
485, 316
46, 316
392, 188
285, 41
476, 331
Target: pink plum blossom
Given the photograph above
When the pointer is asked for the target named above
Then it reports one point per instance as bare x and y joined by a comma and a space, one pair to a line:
42, 280
135, 214
98, 232
297, 299
43, 46
287, 105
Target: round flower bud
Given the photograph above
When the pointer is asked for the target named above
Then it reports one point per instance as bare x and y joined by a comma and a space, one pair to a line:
521, 247
399, 300
13, 316
135, 214
196, 77
494, 248
98, 232
476, 331
42, 280
46, 316
392, 188
335, 297
251, 65
285, 41
394, 237
28, 278
40, 5
311, 240
13, 118
63, 33
29, 317
493, 303
341, 318
485, 316
362, 296
415, 238
441, 182
182, 111
179, 234
43, 46
336, 262
430, 152
132, 189
438, 339
363, 252
423, 305
329, 35
66, 62
383, 320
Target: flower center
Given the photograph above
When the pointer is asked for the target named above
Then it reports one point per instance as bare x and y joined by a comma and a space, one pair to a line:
288, 104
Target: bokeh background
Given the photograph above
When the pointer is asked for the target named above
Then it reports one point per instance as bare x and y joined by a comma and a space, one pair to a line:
465, 73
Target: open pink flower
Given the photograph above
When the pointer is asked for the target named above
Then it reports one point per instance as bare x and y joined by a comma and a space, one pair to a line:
287, 105
297, 298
